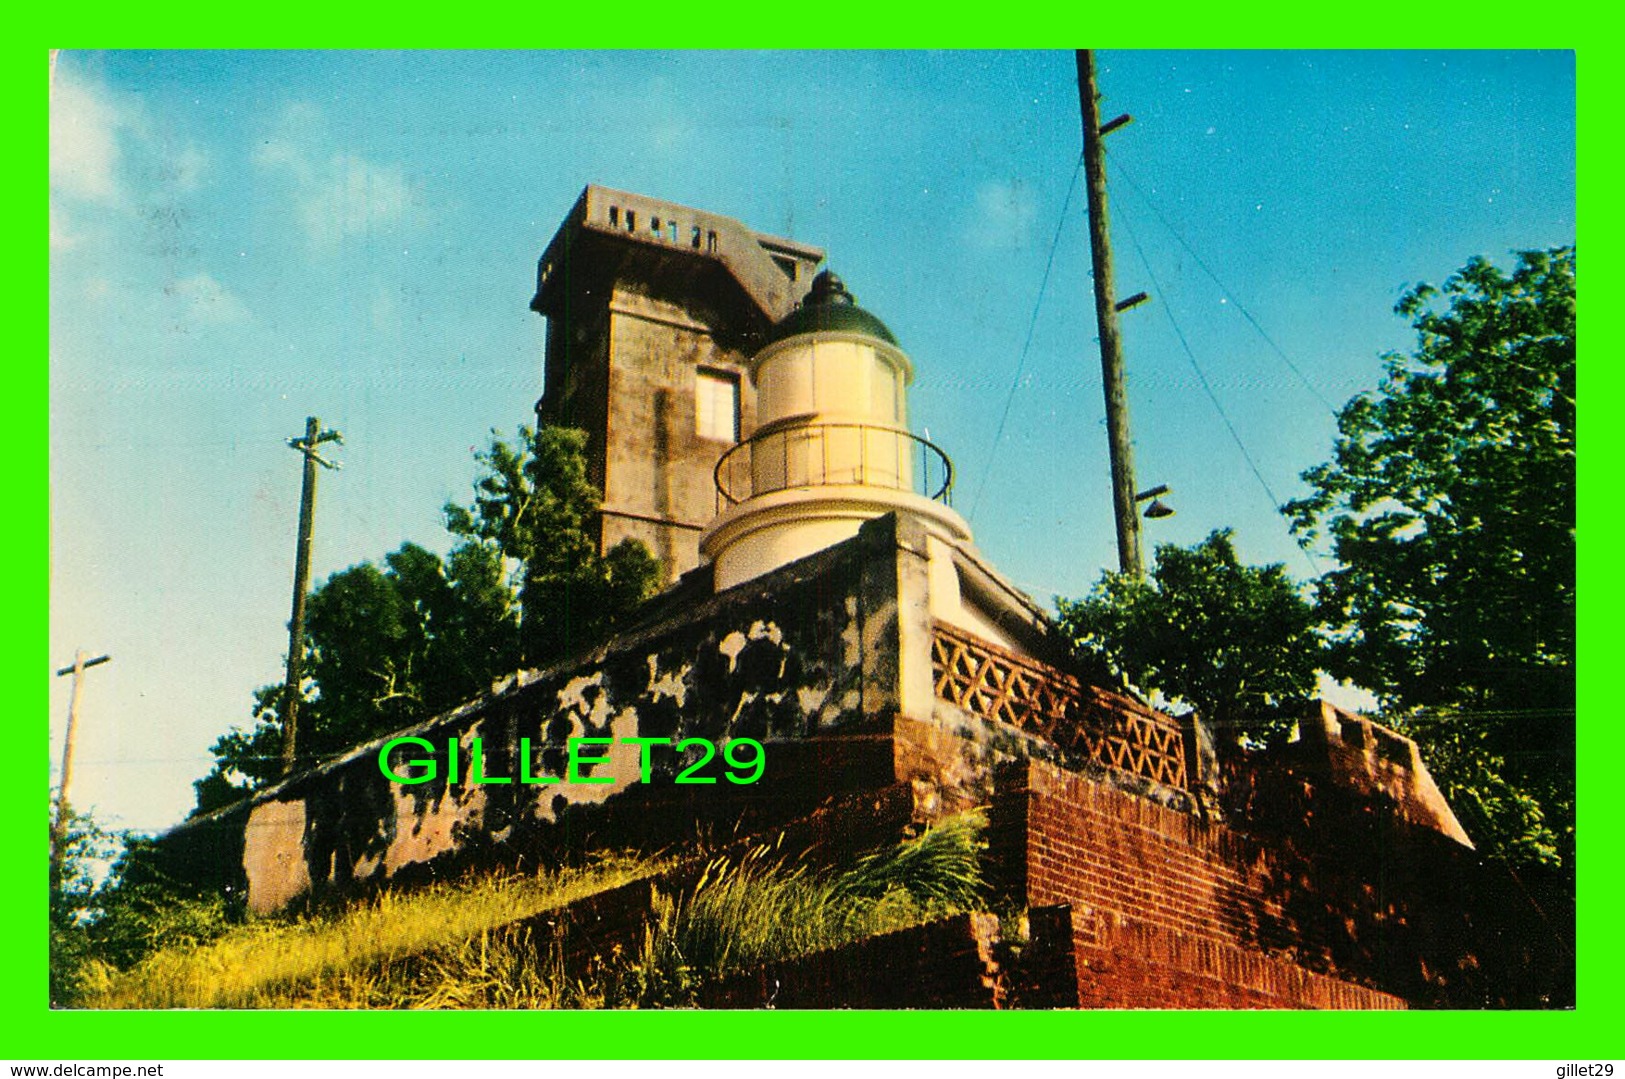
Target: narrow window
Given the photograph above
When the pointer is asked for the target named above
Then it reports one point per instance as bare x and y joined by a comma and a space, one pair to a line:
615, 216
673, 231
654, 225
716, 405
711, 241
696, 238
631, 221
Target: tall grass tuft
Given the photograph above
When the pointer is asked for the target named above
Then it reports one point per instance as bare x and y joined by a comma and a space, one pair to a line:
758, 908
943, 866
362, 953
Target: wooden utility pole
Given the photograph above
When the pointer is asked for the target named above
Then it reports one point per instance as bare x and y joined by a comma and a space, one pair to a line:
314, 436
1106, 309
59, 827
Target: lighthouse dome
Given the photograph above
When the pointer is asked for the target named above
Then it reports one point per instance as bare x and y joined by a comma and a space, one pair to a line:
829, 308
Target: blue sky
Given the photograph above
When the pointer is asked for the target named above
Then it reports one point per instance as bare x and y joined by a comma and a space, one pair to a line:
243, 239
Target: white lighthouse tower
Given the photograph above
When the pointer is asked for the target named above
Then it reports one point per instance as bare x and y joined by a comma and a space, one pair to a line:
832, 447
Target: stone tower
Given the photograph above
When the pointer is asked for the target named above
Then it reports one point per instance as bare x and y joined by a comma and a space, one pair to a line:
652, 310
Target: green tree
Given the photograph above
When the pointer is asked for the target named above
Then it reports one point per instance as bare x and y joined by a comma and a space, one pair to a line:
385, 646
1234, 642
537, 506
110, 908
140, 910
1449, 505
388, 645
392, 645
87, 852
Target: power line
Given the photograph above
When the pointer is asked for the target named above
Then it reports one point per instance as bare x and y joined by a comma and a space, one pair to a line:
1275, 501
1246, 314
1032, 323
1445, 715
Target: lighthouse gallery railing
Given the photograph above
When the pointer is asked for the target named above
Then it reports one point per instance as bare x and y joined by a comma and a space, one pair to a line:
831, 454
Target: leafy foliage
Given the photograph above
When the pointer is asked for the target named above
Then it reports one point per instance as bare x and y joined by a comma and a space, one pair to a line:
87, 849
1504, 818
388, 645
385, 646
1449, 504
536, 505
109, 911
1233, 642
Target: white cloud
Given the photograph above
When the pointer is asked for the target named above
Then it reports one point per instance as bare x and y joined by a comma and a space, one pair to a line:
63, 236
298, 128
189, 163
85, 130
337, 195
203, 301
356, 197
1004, 215
107, 153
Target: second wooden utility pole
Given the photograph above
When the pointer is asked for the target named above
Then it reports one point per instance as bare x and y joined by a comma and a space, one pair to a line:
1106, 309
314, 436
59, 827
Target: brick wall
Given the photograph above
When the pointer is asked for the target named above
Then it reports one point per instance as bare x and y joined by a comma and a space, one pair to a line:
949, 963
1351, 908
1124, 963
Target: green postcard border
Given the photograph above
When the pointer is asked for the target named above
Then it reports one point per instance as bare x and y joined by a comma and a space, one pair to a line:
32, 1031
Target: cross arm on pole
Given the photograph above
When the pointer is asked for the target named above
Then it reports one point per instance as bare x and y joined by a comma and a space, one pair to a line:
307, 446
70, 668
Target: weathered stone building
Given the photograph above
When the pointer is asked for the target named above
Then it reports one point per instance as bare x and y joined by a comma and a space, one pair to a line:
840, 615
653, 309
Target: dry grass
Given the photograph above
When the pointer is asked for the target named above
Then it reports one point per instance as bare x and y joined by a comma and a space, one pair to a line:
498, 968
364, 956
458, 945
759, 909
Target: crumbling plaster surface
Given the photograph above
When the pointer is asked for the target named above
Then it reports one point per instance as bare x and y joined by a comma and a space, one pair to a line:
809, 652
267, 858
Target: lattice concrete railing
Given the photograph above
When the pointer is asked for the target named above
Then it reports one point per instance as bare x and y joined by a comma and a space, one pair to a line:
1104, 727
